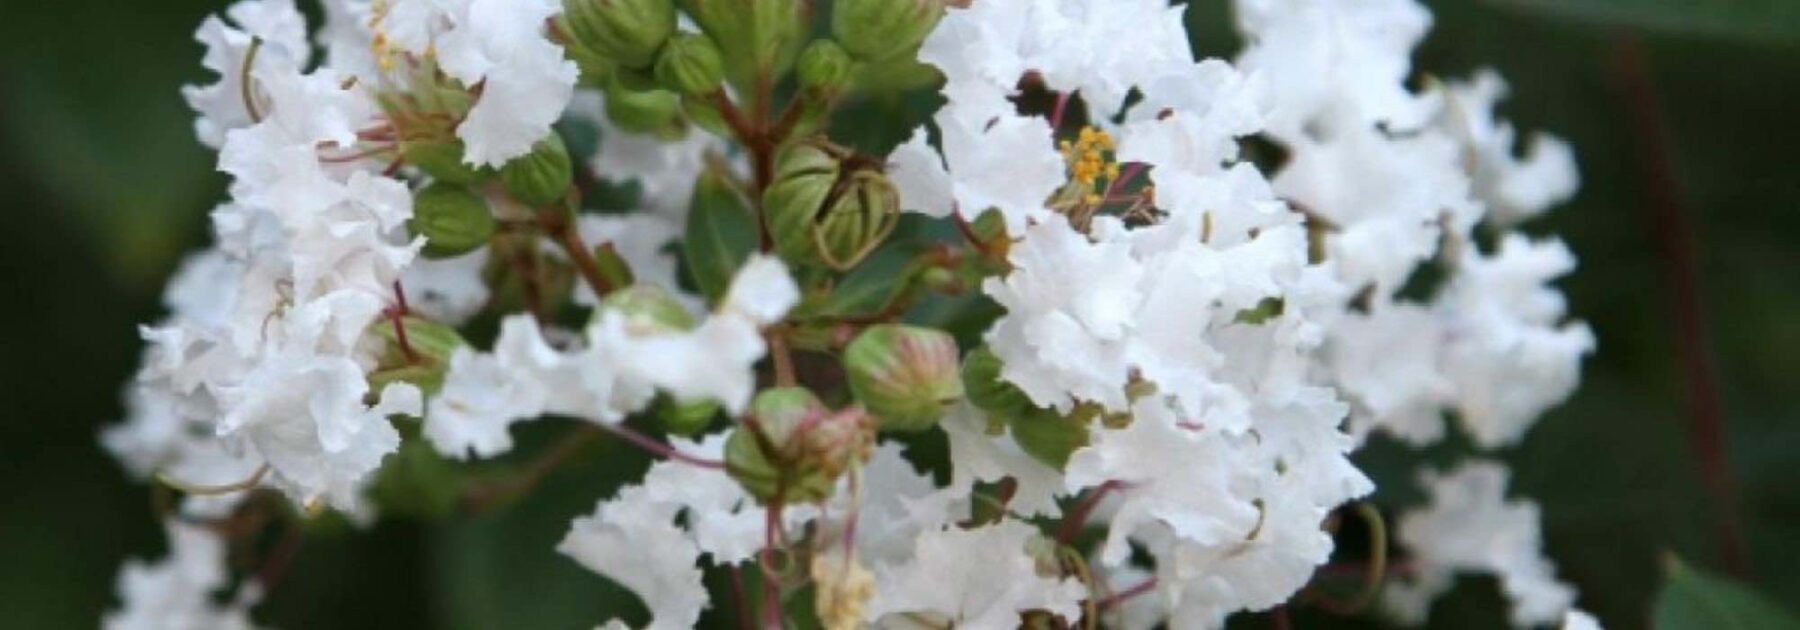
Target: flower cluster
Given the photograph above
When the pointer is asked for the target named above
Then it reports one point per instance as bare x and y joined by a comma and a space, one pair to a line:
1154, 303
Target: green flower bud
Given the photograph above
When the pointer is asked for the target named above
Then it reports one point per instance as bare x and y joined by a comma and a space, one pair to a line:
987, 390
654, 112
905, 375
756, 36
629, 32
648, 309
828, 206
823, 67
414, 350
541, 177
879, 30
453, 220
685, 418
797, 448
1047, 436
442, 159
691, 65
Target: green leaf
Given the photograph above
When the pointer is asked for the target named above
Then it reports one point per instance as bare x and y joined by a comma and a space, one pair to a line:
720, 234
1761, 21
1693, 599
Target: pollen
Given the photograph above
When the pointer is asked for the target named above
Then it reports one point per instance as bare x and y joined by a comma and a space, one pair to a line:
379, 45
1091, 162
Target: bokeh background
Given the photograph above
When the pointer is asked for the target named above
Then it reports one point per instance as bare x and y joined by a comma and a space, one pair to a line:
1684, 114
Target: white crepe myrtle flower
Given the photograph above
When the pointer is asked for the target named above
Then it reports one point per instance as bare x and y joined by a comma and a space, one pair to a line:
990, 158
1212, 282
1579, 620
1070, 305
275, 29
500, 45
1515, 187
975, 578
651, 557
177, 592
1471, 527
1509, 353
1100, 48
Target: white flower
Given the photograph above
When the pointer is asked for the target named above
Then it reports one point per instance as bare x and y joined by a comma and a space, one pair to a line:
1389, 200
1579, 620
1387, 361
1332, 62
1069, 305
1471, 527
976, 578
976, 456
282, 32
1101, 48
1169, 473
649, 556
499, 45
992, 158
1509, 353
178, 591
1514, 188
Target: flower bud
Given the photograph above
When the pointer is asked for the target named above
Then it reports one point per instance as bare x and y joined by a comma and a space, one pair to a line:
905, 375
414, 350
691, 65
879, 30
823, 67
756, 36
796, 448
453, 220
828, 207
630, 32
685, 418
541, 177
442, 159
648, 309
653, 112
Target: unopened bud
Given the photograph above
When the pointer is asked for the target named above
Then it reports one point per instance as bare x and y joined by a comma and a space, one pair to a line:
828, 207
905, 375
453, 220
653, 112
442, 159
414, 350
541, 177
629, 32
879, 30
823, 67
757, 36
691, 65
797, 448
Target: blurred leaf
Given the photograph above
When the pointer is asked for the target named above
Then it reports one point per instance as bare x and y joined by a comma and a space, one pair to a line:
1760, 21
720, 234
1693, 599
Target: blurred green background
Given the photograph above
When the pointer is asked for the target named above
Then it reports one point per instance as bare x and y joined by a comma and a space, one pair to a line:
105, 187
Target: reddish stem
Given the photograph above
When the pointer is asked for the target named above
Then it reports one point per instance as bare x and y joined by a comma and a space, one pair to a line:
1678, 269
1056, 113
658, 448
1122, 596
1072, 524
